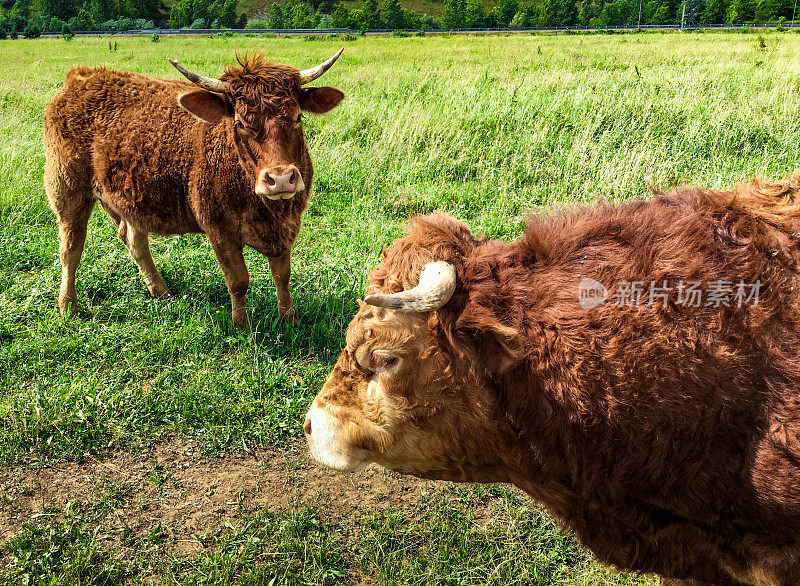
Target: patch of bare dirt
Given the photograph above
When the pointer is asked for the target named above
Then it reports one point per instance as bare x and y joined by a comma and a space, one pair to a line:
188, 494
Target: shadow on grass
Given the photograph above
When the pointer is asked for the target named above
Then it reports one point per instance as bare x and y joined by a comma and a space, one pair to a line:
318, 333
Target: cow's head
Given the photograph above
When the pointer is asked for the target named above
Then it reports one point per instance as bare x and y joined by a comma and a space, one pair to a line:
408, 390
262, 104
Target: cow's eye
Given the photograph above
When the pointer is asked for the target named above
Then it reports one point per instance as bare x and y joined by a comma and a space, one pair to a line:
383, 361
240, 125
299, 118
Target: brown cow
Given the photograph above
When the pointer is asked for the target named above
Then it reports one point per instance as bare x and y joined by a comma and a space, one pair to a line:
166, 157
664, 434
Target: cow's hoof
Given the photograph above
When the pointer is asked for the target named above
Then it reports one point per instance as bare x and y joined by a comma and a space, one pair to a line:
240, 320
288, 316
160, 293
68, 307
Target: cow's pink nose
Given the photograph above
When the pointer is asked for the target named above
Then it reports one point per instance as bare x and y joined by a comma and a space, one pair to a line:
285, 182
280, 182
307, 426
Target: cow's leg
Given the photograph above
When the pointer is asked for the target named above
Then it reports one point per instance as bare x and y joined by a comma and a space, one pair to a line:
231, 259
73, 220
281, 268
138, 244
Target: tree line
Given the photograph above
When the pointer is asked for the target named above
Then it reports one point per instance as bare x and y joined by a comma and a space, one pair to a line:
31, 17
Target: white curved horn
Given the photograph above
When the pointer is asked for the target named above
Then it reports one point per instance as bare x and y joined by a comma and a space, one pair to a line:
437, 282
309, 75
207, 83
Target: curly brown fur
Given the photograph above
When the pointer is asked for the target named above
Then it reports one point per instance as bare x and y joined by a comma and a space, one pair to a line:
163, 156
270, 89
666, 437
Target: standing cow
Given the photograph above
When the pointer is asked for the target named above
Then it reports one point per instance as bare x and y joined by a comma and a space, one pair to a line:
634, 368
222, 156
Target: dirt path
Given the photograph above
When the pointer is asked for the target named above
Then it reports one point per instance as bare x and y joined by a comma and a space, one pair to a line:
188, 494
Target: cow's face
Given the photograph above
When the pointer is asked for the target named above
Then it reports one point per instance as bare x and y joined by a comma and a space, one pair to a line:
405, 392
261, 105
387, 400
409, 390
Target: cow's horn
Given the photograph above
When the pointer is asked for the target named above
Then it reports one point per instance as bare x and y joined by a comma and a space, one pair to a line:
309, 75
437, 282
207, 83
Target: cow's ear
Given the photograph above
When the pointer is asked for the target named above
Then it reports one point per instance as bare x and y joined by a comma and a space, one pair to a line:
501, 346
319, 100
206, 106
504, 347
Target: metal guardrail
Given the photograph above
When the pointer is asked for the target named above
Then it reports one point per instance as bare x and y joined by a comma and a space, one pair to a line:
330, 31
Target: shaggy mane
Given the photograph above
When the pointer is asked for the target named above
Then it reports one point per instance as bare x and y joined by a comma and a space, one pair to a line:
267, 87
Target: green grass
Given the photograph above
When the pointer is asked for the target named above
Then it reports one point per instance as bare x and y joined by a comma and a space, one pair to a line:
461, 536
487, 128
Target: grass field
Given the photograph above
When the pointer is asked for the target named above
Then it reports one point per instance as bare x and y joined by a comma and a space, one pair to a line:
487, 128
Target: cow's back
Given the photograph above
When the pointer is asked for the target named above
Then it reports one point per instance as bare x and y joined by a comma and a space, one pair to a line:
123, 136
680, 421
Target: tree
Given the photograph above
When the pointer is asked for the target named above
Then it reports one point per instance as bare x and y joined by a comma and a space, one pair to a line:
393, 16
474, 14
62, 9
412, 19
324, 6
145, 9
714, 12
227, 16
32, 31
694, 9
772, 10
340, 17
275, 16
21, 8
519, 20
16, 21
181, 14
565, 12
506, 10
301, 16
623, 12
455, 14
102, 10
83, 21
527, 16
661, 15
428, 22
740, 11
199, 9
370, 17
590, 12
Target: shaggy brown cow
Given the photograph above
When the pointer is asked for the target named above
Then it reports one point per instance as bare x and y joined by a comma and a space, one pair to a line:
664, 434
165, 157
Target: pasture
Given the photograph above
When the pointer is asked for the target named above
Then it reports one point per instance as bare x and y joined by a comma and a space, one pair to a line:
149, 441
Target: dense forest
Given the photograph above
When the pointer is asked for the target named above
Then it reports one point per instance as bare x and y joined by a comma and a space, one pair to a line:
31, 17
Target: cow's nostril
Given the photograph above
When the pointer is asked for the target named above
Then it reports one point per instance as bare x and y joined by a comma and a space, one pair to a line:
270, 181
307, 427
293, 178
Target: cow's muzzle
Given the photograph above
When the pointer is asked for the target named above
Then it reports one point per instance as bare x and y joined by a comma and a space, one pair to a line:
328, 442
280, 182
